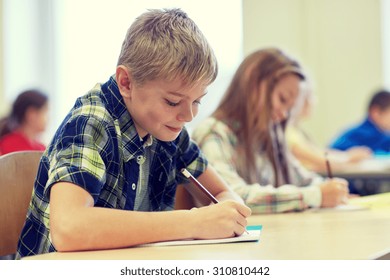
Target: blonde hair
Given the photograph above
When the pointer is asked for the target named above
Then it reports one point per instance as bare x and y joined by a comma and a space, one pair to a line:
246, 105
166, 44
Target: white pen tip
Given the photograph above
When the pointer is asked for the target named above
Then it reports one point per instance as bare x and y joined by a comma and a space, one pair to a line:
186, 173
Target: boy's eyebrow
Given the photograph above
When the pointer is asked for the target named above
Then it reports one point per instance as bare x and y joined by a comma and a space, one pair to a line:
175, 93
182, 95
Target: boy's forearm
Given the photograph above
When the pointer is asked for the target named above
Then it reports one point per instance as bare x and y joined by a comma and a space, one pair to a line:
101, 228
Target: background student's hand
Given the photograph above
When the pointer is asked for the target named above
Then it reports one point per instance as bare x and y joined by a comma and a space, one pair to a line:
359, 153
222, 220
334, 192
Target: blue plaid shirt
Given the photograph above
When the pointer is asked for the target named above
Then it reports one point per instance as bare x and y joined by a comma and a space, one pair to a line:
96, 147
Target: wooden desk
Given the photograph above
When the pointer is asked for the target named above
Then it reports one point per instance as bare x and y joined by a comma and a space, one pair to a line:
309, 235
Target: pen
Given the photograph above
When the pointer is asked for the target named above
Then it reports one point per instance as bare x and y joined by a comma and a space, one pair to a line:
188, 175
330, 176
328, 169
199, 185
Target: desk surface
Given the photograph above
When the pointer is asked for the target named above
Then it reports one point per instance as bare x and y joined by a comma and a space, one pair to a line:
318, 235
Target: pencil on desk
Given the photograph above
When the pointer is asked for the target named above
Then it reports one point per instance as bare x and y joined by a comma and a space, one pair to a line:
198, 184
328, 169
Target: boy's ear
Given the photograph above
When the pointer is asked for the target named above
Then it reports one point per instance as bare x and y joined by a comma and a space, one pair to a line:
124, 80
376, 114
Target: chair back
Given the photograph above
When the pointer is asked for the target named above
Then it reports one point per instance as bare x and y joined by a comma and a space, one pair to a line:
17, 175
183, 199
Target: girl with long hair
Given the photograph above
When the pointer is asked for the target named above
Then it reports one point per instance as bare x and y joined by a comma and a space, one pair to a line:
244, 139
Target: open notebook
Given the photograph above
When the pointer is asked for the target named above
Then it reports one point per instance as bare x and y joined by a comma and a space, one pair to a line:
252, 235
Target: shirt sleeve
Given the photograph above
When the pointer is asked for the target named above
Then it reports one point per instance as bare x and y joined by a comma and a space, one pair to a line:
78, 155
260, 198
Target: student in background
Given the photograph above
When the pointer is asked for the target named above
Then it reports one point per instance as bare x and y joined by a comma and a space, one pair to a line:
111, 170
374, 131
20, 131
311, 155
244, 139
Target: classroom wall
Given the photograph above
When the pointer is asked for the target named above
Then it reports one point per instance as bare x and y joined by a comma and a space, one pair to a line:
339, 44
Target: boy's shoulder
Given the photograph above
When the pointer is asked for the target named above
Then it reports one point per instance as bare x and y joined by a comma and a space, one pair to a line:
94, 96
92, 104
101, 102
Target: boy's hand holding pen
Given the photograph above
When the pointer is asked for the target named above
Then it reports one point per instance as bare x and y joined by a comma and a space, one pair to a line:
242, 210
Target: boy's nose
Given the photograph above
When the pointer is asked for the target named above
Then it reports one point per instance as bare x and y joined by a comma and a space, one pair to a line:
186, 115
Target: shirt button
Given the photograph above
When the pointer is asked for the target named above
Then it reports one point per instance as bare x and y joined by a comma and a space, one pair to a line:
140, 159
133, 186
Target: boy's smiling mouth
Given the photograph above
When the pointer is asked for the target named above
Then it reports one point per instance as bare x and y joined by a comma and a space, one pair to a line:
174, 129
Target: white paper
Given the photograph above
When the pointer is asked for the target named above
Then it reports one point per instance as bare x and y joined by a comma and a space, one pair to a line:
252, 235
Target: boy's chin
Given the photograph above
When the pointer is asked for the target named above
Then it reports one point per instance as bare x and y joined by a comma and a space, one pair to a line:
166, 138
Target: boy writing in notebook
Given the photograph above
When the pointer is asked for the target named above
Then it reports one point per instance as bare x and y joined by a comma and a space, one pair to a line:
114, 163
